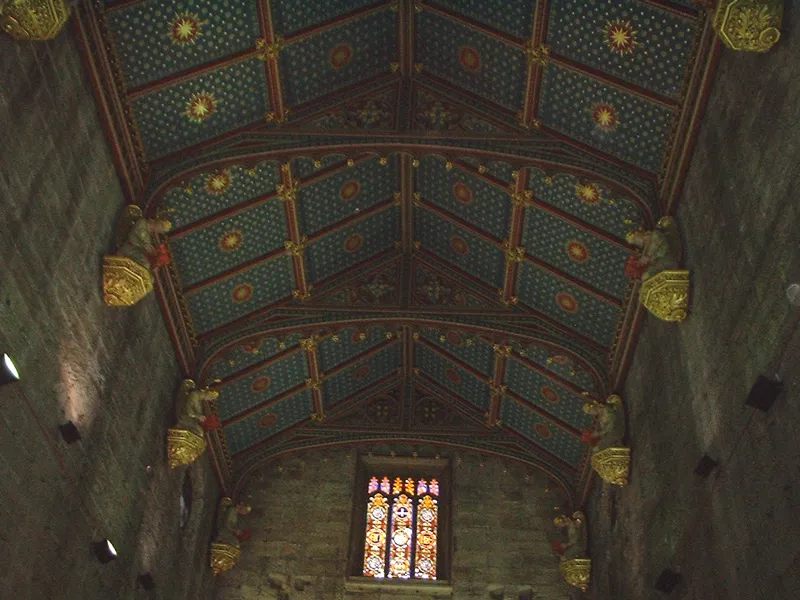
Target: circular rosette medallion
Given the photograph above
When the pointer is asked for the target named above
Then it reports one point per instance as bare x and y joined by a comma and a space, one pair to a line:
427, 515
260, 384
454, 338
577, 252
242, 293
268, 420
453, 376
349, 190
459, 245
543, 431
566, 302
469, 59
462, 192
550, 395
361, 373
353, 243
340, 56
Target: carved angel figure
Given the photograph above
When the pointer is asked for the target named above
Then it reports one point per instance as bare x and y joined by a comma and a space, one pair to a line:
608, 428
128, 274
576, 544
228, 530
190, 408
185, 441
657, 250
136, 239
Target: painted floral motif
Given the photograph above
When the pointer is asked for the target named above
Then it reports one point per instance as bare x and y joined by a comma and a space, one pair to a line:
620, 37
431, 113
260, 384
605, 117
577, 252
354, 243
185, 28
200, 107
373, 113
589, 193
375, 289
469, 59
434, 291
340, 56
437, 115
231, 241
218, 183
242, 293
566, 302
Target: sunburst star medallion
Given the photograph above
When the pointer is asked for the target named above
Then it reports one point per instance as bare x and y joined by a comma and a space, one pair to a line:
605, 117
588, 193
185, 28
200, 107
218, 183
621, 37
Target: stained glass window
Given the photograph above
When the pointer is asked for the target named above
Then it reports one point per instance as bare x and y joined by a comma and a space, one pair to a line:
402, 528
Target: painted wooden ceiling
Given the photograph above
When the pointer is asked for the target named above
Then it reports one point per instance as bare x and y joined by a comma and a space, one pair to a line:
406, 216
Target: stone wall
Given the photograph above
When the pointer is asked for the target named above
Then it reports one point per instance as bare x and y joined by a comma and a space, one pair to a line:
301, 518
112, 372
735, 535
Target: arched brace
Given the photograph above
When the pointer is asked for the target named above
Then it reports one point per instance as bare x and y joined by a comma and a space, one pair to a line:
553, 476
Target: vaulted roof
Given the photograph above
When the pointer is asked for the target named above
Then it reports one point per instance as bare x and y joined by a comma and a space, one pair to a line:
401, 219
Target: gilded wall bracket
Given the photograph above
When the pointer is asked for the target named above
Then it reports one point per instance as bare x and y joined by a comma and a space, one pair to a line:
749, 25
33, 19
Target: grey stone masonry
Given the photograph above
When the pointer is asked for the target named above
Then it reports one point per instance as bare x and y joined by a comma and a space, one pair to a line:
302, 506
112, 372
736, 534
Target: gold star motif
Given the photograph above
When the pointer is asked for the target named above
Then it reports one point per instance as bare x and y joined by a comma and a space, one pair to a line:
185, 28
200, 107
588, 193
620, 37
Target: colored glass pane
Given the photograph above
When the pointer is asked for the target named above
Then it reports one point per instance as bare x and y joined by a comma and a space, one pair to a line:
402, 528
375, 539
427, 523
401, 537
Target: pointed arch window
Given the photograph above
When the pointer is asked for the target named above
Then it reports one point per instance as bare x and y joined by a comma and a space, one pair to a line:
400, 531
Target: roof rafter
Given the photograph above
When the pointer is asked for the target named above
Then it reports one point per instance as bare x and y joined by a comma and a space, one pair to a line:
538, 450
